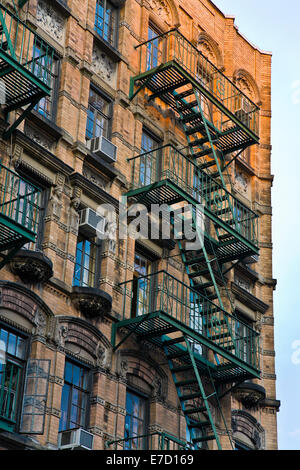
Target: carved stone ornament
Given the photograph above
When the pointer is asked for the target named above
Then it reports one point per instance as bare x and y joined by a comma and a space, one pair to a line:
32, 266
241, 183
55, 202
103, 355
73, 213
161, 9
91, 302
41, 323
50, 20
103, 66
250, 394
35, 134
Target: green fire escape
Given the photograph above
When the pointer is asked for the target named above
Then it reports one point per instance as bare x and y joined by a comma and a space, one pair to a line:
26, 62
208, 348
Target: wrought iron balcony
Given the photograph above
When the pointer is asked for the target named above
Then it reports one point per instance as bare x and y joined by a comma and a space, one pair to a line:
159, 304
26, 62
19, 207
166, 176
169, 61
152, 441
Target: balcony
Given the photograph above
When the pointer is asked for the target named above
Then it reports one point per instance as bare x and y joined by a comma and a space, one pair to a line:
19, 207
158, 305
170, 64
26, 62
151, 441
166, 176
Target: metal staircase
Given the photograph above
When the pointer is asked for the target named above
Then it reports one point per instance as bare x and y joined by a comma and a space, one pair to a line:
26, 62
195, 325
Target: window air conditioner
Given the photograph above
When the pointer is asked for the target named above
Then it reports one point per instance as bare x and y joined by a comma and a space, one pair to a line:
90, 223
75, 439
103, 148
243, 109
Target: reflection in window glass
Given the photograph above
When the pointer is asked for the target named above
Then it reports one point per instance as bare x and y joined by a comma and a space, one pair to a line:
135, 421
74, 397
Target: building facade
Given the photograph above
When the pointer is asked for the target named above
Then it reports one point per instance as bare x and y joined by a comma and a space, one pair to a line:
143, 343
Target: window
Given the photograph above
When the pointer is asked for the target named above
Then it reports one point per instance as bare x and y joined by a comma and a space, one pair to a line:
48, 70
206, 82
141, 286
135, 421
106, 18
85, 263
99, 116
13, 348
243, 343
75, 397
196, 320
245, 156
148, 170
154, 49
43, 202
25, 203
197, 434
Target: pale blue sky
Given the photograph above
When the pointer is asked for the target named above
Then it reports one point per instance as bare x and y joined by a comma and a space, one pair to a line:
273, 25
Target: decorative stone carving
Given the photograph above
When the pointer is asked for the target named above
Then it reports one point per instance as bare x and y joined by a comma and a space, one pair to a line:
74, 215
103, 355
32, 266
161, 9
50, 20
17, 155
243, 283
103, 66
250, 394
157, 387
62, 335
91, 302
39, 137
93, 177
40, 322
241, 183
55, 202
242, 422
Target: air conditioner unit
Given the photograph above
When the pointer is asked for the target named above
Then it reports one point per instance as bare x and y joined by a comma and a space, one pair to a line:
103, 148
243, 108
91, 223
75, 439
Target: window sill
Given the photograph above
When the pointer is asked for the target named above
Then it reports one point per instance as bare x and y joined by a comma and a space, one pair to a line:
248, 299
110, 50
101, 164
47, 125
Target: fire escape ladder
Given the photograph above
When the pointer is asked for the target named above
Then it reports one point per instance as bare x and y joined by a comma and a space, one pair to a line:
26, 62
195, 395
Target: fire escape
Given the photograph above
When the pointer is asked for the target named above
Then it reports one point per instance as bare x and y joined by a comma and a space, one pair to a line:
26, 62
208, 349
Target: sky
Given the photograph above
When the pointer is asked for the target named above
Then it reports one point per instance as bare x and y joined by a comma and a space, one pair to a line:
273, 25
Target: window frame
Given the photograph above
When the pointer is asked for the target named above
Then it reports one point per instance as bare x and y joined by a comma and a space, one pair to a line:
108, 117
152, 260
97, 261
53, 97
81, 365
7, 423
115, 28
145, 398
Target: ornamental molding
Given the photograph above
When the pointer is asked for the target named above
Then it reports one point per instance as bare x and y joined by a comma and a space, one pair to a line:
103, 66
244, 80
209, 47
50, 20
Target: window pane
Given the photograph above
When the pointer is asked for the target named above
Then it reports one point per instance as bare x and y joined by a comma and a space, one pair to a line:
64, 407
12, 342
